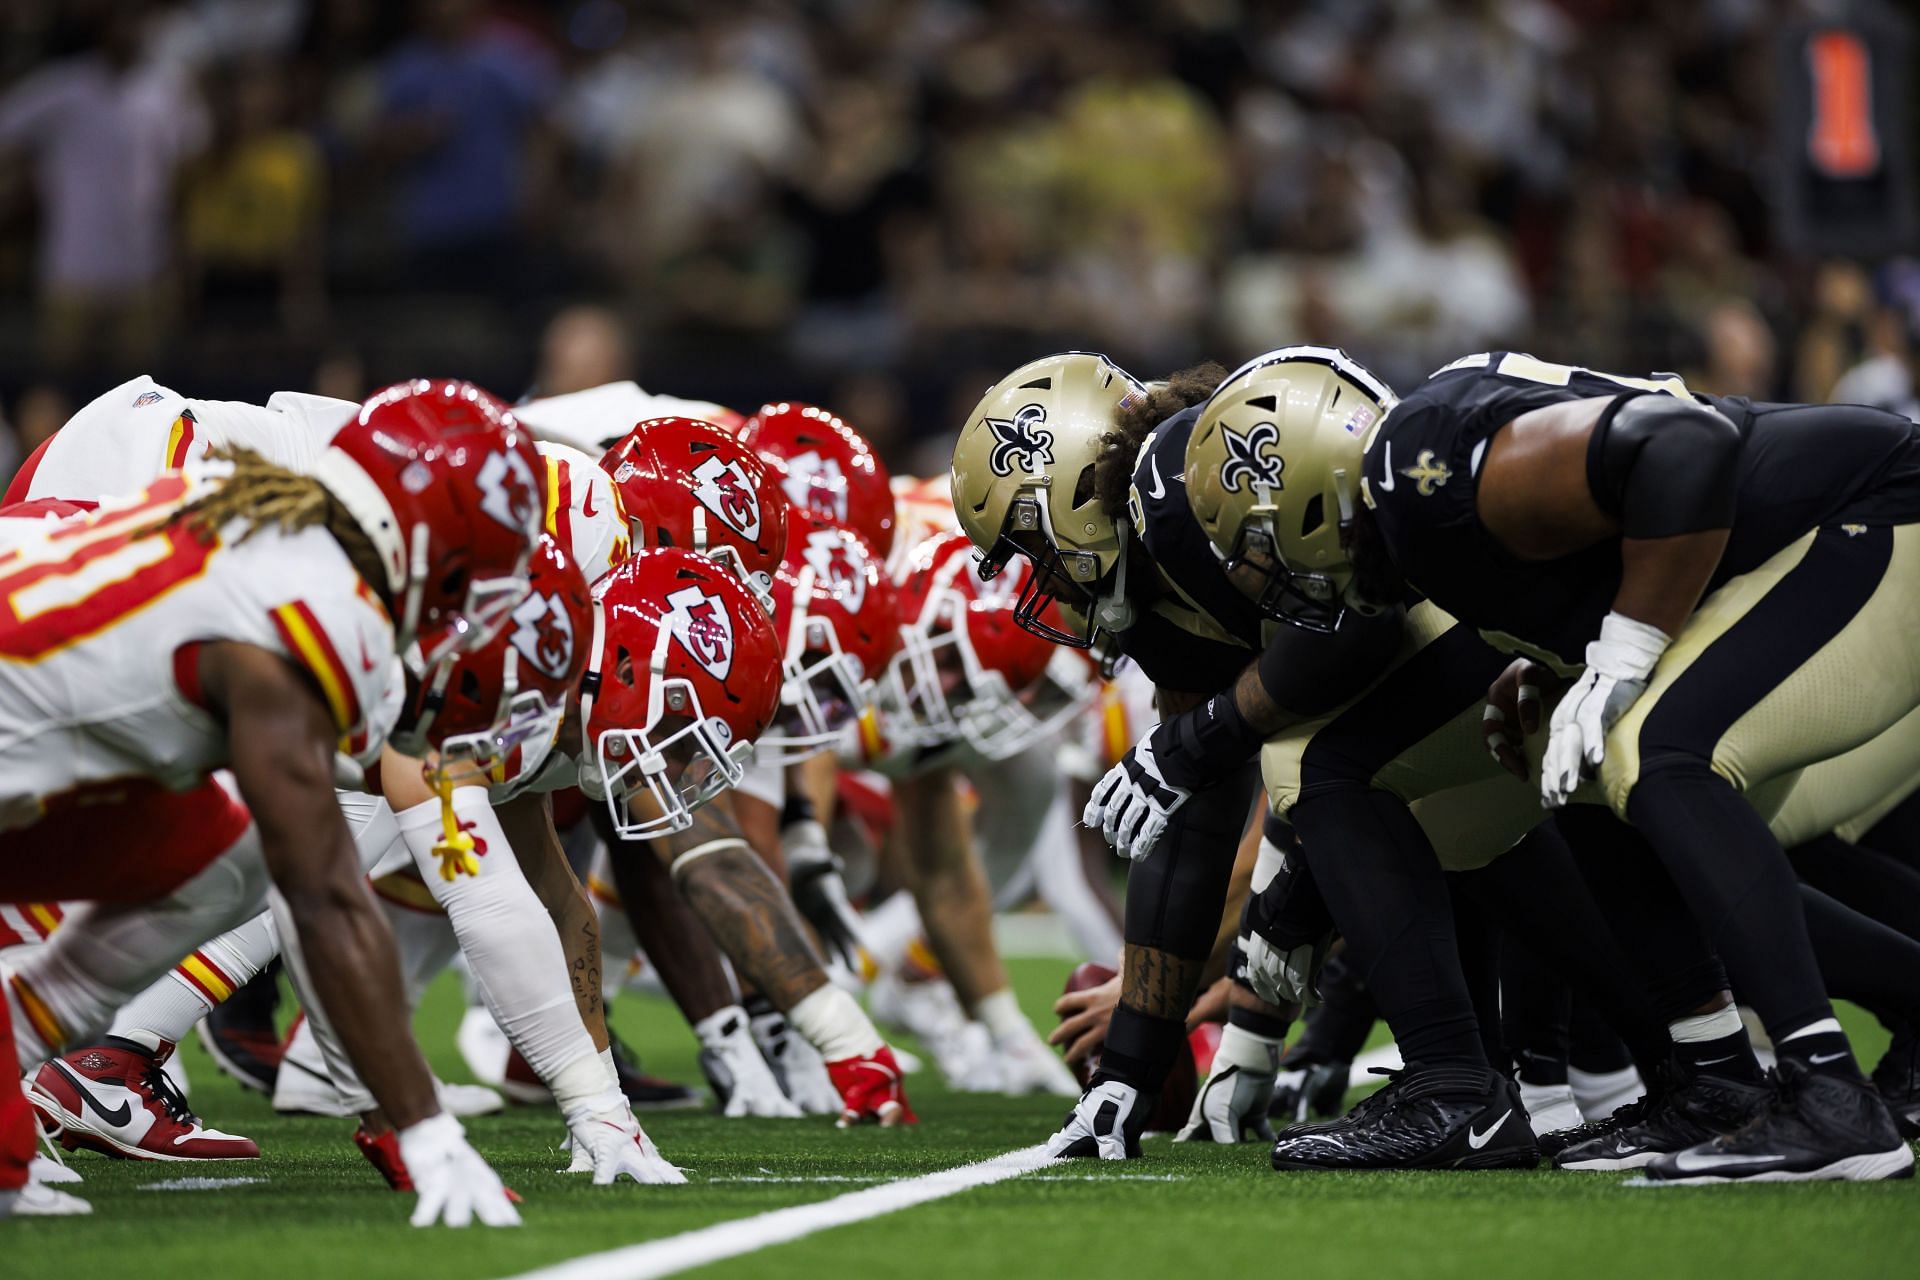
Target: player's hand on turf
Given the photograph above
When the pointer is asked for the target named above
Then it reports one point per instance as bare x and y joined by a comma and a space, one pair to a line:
1105, 1123
1133, 803
1513, 712
871, 1088
455, 1185
1618, 665
617, 1147
1084, 1016
814, 872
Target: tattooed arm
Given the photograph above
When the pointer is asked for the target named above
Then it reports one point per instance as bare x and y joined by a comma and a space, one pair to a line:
745, 908
528, 823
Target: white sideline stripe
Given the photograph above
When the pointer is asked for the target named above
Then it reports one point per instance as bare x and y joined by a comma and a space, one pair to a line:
747, 1235
197, 1184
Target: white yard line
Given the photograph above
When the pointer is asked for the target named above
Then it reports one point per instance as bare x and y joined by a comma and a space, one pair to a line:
725, 1240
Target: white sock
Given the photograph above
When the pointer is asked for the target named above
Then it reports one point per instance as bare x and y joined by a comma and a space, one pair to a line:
1267, 864
1699, 1027
1001, 1012
835, 1024
166, 1011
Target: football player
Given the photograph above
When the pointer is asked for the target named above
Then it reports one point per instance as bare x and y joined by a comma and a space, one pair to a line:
1730, 557
248, 616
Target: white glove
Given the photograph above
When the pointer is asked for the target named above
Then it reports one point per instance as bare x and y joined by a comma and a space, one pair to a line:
1106, 1122
1284, 977
1133, 802
618, 1147
454, 1183
1618, 664
1232, 1105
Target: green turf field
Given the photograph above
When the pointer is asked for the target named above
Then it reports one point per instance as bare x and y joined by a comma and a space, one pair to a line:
319, 1211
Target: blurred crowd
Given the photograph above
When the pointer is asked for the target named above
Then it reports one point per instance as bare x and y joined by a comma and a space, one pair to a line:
884, 204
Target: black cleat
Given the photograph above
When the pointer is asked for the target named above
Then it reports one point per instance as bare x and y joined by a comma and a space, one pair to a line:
1681, 1111
240, 1036
1814, 1127
1897, 1077
645, 1092
1426, 1118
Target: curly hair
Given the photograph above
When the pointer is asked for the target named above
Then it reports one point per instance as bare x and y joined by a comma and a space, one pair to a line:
1120, 447
264, 495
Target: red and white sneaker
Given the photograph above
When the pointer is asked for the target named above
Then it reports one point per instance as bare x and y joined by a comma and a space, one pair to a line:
871, 1088
115, 1098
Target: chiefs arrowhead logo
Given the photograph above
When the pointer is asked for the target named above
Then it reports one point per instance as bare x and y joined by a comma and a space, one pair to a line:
509, 493
543, 633
839, 563
817, 484
723, 488
702, 625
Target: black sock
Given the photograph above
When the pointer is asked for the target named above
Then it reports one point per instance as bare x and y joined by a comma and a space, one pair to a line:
1823, 1051
1535, 1067
1730, 1055
1140, 1049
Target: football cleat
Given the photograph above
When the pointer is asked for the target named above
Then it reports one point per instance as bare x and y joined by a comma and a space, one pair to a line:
464, 1100
48, 1165
1814, 1127
1897, 1077
1428, 1118
38, 1200
239, 1033
742, 1082
797, 1065
617, 1147
383, 1153
303, 1087
115, 1098
646, 1092
1681, 1112
1308, 1087
1106, 1123
1025, 1065
871, 1087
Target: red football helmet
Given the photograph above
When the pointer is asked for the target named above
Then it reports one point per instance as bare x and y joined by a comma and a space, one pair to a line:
495, 713
966, 668
449, 489
686, 483
829, 468
681, 678
838, 617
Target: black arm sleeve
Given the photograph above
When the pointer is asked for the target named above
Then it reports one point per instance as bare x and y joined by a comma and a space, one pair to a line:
1663, 466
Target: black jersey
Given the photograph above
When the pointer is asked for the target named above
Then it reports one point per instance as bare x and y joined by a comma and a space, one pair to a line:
1801, 466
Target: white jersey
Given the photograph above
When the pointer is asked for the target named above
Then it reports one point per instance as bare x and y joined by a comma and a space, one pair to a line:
124, 439
100, 628
594, 420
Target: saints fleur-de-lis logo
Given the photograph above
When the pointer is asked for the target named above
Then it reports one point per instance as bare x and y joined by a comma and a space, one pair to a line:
1248, 463
1022, 440
1427, 474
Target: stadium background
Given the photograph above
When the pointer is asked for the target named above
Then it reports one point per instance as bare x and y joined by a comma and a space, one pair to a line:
882, 205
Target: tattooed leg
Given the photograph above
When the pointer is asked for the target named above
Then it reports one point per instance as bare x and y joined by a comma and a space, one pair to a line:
528, 822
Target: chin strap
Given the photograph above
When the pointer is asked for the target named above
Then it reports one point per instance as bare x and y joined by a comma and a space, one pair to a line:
454, 847
1114, 611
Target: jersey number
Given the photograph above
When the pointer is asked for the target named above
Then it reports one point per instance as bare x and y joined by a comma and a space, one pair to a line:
85, 577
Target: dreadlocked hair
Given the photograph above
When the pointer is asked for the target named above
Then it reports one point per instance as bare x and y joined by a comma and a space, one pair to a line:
264, 495
1120, 447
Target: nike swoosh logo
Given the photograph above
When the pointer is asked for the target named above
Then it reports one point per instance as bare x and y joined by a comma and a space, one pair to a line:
1159, 489
1386, 468
1707, 1062
1822, 1059
117, 1118
1688, 1162
586, 503
1479, 1140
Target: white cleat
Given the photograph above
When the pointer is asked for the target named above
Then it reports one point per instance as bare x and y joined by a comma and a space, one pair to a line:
615, 1146
302, 1086
49, 1172
38, 1200
465, 1100
483, 1046
1028, 1066
739, 1076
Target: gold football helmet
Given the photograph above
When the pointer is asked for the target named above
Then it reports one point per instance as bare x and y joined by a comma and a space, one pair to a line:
1023, 485
1273, 467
